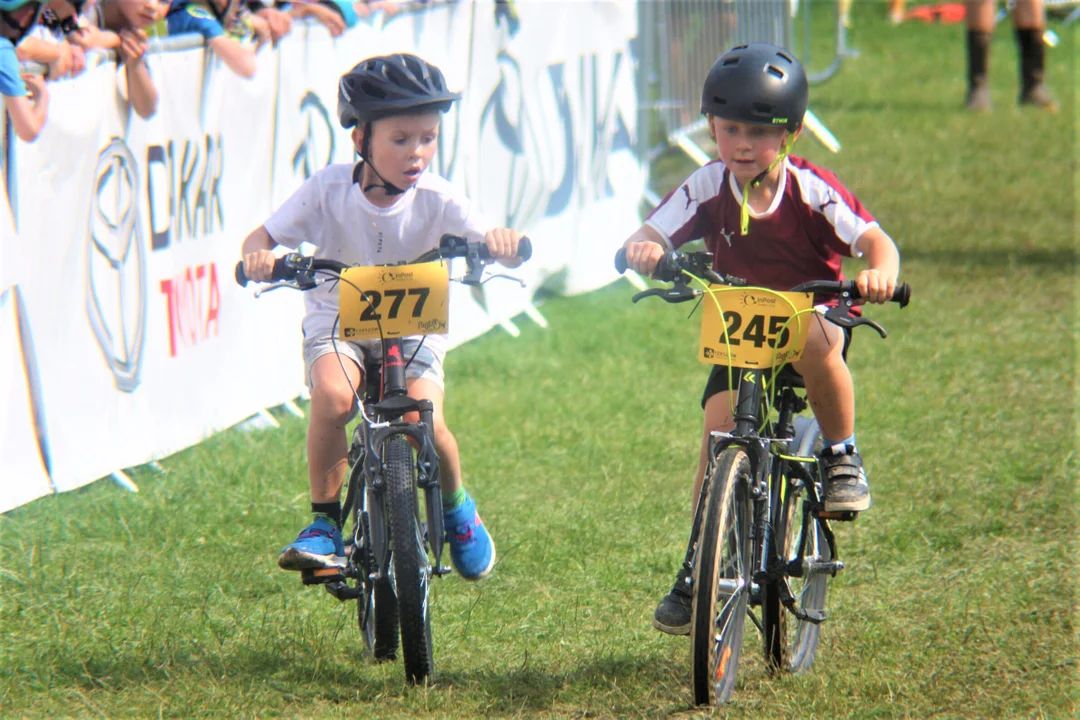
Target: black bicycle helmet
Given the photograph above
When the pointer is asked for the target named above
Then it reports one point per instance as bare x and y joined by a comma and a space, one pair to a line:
759, 84
17, 31
389, 85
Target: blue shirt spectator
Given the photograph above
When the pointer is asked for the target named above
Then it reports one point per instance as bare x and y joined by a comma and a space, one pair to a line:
11, 82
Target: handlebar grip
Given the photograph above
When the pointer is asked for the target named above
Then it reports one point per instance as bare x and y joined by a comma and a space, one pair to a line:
902, 295
280, 272
524, 249
620, 260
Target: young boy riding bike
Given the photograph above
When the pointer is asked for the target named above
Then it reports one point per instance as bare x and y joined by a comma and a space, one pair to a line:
384, 209
775, 220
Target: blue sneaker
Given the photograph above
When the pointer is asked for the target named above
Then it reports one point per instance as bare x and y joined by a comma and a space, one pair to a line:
471, 550
317, 546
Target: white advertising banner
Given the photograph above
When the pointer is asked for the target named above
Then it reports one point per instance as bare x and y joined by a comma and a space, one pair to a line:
123, 336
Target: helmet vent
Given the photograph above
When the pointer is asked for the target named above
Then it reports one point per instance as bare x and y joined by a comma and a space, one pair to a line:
786, 57
763, 108
775, 72
729, 62
719, 100
372, 90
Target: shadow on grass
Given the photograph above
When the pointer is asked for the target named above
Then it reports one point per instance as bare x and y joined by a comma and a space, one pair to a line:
352, 677
537, 688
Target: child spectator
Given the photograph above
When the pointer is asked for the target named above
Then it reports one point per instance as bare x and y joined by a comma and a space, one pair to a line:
45, 44
118, 25
278, 19
25, 96
227, 27
331, 15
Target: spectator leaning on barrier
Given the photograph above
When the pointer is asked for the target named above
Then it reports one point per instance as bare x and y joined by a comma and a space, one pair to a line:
47, 44
277, 17
26, 99
777, 221
393, 106
231, 32
1029, 19
131, 20
335, 17
118, 25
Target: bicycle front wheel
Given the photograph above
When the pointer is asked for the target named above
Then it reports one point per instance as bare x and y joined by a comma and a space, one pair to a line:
412, 570
791, 643
377, 609
722, 575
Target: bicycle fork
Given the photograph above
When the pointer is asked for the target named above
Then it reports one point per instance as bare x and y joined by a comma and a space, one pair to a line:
427, 480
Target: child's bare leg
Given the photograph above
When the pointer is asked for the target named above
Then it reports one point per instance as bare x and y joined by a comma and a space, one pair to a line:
320, 544
445, 443
472, 551
672, 615
832, 398
828, 380
718, 418
327, 445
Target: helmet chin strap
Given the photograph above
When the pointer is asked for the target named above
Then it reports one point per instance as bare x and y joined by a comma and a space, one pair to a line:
744, 210
365, 152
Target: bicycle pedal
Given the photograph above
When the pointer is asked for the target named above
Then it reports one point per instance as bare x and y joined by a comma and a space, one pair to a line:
838, 515
319, 576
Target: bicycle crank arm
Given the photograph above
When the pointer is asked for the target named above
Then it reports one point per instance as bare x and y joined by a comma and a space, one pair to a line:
342, 591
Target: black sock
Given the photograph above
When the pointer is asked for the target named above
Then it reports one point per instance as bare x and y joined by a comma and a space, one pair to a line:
1032, 57
978, 46
330, 511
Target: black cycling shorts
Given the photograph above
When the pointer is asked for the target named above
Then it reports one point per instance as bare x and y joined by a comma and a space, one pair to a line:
718, 376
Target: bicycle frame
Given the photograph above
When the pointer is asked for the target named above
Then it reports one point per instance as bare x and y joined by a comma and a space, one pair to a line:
386, 415
767, 471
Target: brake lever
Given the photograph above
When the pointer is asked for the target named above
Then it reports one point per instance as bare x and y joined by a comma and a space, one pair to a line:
518, 280
671, 295
275, 286
838, 315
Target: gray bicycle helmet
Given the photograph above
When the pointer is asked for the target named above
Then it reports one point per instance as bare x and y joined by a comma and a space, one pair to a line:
389, 85
759, 84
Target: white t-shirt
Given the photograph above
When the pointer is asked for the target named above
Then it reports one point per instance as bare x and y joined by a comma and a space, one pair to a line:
330, 212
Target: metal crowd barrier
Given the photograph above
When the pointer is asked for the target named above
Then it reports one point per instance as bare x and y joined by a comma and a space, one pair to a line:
681, 39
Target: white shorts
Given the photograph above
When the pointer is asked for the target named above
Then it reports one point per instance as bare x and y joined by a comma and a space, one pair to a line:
424, 361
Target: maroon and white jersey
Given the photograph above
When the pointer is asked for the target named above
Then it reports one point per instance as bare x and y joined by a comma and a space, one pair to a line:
813, 222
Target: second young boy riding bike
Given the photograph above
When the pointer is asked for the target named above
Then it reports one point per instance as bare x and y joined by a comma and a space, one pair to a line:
777, 221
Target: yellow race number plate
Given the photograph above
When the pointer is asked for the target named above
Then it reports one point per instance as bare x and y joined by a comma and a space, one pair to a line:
753, 327
401, 299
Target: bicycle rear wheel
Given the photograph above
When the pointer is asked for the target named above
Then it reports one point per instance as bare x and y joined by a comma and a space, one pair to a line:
791, 643
722, 579
412, 569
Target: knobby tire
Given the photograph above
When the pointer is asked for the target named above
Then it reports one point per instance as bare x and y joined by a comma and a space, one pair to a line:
722, 573
791, 643
410, 560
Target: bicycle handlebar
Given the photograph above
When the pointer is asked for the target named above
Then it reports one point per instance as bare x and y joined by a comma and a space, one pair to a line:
291, 265
670, 268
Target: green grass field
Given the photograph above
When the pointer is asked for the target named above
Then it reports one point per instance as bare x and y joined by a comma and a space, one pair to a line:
579, 441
